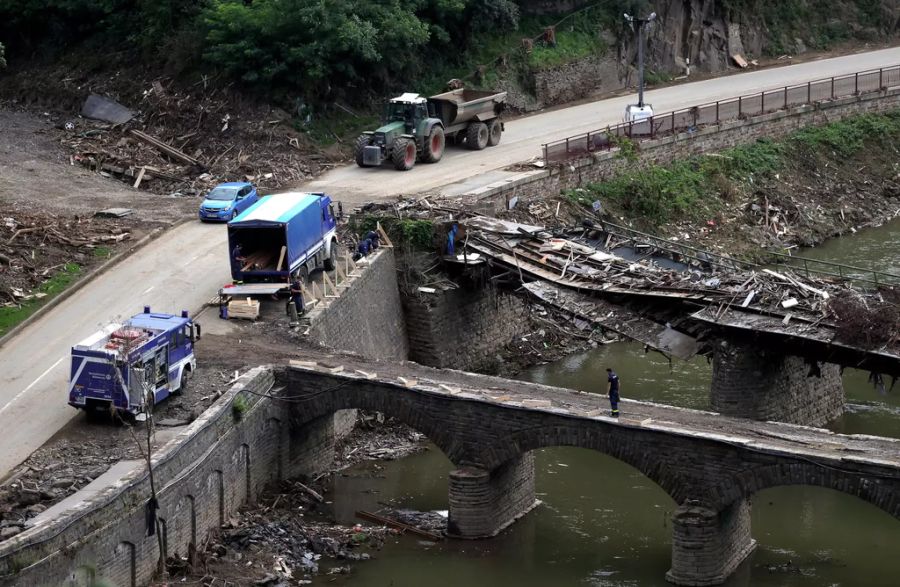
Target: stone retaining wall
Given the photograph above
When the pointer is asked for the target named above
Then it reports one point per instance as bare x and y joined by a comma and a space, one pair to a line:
463, 328
750, 382
367, 318
537, 185
203, 475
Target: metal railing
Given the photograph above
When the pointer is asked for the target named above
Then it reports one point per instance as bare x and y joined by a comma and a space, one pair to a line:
682, 250
853, 84
800, 265
815, 267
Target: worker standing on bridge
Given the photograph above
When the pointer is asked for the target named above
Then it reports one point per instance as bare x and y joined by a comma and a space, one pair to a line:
612, 390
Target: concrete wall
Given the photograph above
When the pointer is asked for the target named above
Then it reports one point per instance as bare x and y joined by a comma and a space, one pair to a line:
536, 185
463, 328
203, 475
749, 382
367, 318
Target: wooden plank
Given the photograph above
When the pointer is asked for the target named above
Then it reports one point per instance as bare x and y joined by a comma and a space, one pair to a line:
385, 241
165, 148
140, 177
328, 283
398, 525
281, 258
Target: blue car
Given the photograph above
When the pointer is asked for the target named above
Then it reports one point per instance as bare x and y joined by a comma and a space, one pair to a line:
227, 200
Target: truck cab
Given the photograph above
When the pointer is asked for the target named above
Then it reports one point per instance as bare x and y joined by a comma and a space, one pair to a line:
128, 367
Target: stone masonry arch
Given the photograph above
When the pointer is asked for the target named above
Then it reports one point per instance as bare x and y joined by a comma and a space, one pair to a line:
744, 485
649, 462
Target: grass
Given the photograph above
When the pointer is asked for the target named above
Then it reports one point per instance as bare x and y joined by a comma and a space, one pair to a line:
570, 46
102, 252
338, 126
12, 315
695, 188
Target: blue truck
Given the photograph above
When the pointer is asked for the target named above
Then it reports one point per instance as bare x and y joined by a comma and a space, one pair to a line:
120, 366
283, 236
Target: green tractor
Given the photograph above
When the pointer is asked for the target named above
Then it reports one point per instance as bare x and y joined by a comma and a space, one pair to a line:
417, 128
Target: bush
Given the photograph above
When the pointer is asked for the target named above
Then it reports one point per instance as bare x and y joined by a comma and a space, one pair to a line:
2, 57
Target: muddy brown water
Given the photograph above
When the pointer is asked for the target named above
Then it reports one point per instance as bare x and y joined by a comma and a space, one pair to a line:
603, 524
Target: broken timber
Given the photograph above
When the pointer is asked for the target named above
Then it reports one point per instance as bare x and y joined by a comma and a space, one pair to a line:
165, 148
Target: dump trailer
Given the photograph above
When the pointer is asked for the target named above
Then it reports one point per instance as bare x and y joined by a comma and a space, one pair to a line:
416, 128
128, 367
282, 236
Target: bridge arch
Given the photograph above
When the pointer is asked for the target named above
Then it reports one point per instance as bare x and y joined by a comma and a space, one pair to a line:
882, 493
402, 407
633, 450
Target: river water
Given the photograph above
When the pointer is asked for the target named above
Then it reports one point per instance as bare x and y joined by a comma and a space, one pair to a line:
603, 524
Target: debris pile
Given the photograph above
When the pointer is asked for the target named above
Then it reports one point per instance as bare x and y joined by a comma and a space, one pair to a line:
281, 540
188, 141
35, 245
866, 322
377, 438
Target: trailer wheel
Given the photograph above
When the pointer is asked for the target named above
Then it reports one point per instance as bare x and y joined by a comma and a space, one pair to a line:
184, 381
477, 136
434, 145
404, 154
331, 261
362, 142
494, 132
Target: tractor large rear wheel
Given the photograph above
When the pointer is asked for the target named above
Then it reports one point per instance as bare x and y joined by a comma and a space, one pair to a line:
434, 145
404, 154
361, 143
477, 136
494, 132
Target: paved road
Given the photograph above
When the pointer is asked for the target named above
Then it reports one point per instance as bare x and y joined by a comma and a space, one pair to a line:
185, 267
523, 137
179, 271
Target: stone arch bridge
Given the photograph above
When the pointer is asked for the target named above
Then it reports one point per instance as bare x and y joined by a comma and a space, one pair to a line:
709, 464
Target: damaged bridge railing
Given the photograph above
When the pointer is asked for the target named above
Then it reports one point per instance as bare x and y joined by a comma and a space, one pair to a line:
811, 267
801, 265
853, 84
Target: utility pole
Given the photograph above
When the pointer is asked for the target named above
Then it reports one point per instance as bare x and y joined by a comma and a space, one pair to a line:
638, 24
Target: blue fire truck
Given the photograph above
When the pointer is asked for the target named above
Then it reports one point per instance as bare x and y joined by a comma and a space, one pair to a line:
128, 367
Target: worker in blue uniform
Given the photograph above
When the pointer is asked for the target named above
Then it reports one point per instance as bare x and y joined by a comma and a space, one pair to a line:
237, 259
297, 295
612, 390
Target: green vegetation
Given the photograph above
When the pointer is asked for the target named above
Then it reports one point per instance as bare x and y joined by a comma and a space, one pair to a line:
695, 188
13, 315
102, 252
239, 407
405, 233
356, 51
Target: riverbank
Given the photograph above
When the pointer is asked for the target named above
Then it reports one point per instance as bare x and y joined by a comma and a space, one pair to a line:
814, 184
291, 534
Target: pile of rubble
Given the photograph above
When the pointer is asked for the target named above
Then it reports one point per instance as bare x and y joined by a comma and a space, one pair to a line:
34, 245
175, 141
283, 540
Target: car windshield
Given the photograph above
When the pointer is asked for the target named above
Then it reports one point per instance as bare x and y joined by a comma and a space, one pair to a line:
222, 194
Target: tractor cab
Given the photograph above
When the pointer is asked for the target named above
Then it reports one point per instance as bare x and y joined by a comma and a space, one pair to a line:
410, 109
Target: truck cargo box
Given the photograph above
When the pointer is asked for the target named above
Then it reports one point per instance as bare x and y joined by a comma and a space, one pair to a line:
278, 234
463, 105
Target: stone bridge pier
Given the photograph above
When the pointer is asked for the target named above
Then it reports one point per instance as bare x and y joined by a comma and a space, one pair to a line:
750, 381
483, 503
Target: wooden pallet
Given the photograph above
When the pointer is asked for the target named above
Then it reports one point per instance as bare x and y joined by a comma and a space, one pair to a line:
247, 309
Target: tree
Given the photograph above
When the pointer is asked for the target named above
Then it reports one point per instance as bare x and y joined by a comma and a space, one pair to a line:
2, 57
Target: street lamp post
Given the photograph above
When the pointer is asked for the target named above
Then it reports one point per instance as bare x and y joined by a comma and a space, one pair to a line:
638, 24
